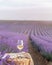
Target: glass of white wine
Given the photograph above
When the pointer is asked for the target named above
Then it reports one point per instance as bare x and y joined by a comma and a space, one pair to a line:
20, 45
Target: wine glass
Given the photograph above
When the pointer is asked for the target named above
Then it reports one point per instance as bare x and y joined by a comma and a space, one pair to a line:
20, 44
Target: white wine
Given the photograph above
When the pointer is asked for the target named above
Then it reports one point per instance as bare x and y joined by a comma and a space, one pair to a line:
20, 47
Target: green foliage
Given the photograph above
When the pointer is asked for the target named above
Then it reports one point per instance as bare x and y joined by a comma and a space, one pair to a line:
48, 56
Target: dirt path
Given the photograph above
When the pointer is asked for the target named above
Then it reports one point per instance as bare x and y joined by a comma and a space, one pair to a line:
37, 58
50, 63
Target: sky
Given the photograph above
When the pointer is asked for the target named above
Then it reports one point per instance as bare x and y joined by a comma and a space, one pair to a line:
25, 3
25, 9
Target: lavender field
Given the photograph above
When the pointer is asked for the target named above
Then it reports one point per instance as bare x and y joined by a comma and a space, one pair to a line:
37, 38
